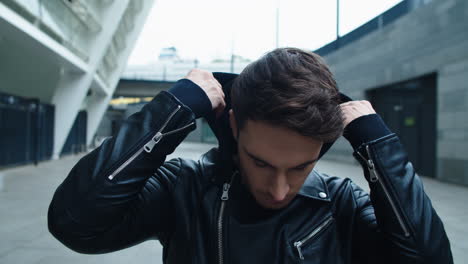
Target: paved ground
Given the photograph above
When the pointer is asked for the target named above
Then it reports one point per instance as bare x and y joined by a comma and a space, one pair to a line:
25, 193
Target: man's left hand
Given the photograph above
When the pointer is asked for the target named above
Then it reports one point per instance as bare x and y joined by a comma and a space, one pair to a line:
355, 109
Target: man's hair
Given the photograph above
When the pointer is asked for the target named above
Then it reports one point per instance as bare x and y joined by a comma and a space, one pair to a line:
291, 88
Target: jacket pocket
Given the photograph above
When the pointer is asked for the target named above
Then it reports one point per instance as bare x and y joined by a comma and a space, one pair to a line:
301, 244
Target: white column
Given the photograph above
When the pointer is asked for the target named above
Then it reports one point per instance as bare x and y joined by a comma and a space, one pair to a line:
72, 88
98, 105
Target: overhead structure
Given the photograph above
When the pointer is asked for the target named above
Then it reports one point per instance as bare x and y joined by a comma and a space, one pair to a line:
69, 54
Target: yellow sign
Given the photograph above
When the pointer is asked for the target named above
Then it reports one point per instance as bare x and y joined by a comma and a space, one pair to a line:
129, 100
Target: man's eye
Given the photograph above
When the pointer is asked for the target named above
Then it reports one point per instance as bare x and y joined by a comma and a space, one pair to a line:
301, 168
260, 164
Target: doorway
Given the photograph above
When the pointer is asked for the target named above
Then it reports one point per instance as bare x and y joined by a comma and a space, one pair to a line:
409, 110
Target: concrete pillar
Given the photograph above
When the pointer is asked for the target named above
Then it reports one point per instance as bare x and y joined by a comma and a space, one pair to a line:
72, 88
98, 105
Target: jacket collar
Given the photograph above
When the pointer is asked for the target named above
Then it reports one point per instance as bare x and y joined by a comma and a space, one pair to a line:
315, 187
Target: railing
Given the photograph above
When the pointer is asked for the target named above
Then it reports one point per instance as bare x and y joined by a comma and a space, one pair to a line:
71, 23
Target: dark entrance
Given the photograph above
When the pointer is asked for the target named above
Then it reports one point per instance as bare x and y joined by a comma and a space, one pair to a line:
409, 110
26, 130
76, 140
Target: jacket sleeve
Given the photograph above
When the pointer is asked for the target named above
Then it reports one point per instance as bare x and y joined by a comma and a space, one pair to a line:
120, 194
398, 223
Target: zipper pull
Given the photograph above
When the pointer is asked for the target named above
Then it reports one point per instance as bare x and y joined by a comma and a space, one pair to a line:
298, 246
226, 186
225, 195
373, 176
370, 163
150, 145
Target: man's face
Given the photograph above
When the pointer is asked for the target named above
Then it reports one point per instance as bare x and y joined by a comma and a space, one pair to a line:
274, 161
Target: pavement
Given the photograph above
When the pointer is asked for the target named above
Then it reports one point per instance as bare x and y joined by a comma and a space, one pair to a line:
25, 194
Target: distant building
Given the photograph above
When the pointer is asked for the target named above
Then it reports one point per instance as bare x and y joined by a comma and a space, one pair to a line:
176, 68
168, 54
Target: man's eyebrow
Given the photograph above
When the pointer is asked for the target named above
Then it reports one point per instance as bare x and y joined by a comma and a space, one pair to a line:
257, 158
261, 160
306, 163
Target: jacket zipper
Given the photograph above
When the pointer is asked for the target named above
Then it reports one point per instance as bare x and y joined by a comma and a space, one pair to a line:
375, 177
148, 147
224, 199
298, 244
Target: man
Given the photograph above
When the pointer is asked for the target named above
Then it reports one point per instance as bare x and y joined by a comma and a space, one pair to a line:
256, 198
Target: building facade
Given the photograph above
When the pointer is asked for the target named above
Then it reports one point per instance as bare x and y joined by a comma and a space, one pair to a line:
414, 70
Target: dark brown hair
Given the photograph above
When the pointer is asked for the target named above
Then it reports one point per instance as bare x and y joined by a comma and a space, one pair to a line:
291, 88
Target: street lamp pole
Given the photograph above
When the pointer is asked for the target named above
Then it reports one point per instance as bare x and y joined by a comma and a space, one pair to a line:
337, 19
232, 54
277, 26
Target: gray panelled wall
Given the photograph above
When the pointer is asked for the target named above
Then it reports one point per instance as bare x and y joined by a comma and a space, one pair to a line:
431, 39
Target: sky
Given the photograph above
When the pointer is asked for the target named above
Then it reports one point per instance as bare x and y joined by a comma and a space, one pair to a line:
214, 29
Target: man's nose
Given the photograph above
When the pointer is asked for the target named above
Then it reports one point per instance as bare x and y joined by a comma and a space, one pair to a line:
279, 188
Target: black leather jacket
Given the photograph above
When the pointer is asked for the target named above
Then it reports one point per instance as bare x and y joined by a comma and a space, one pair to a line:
123, 193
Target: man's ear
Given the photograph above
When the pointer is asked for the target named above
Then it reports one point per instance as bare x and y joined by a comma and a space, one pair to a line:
233, 123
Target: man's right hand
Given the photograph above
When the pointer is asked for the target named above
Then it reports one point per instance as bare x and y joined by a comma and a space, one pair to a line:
213, 89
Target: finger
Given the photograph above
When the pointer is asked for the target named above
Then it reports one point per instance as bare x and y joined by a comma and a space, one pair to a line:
216, 81
347, 103
346, 106
223, 103
368, 104
223, 95
219, 87
219, 110
220, 90
352, 106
